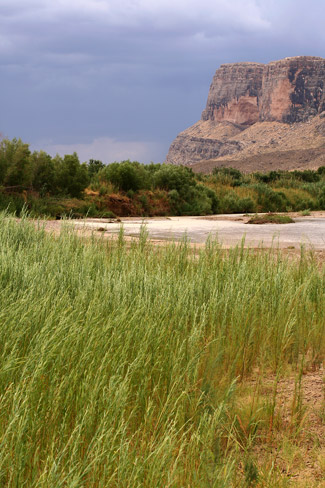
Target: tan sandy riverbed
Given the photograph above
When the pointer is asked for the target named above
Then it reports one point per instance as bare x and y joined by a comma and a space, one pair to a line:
228, 229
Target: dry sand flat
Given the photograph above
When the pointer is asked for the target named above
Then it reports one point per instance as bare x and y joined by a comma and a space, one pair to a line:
229, 230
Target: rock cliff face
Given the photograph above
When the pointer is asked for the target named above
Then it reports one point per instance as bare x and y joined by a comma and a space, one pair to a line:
242, 95
234, 94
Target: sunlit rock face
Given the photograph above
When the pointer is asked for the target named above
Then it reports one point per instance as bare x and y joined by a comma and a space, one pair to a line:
288, 91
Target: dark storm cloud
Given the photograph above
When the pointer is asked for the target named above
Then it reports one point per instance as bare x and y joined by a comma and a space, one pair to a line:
111, 75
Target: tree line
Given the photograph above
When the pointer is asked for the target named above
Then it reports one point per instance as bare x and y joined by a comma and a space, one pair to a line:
147, 189
22, 169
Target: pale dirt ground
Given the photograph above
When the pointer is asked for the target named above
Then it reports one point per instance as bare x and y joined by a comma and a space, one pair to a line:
229, 230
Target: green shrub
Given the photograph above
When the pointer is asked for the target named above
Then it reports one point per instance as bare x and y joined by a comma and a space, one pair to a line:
103, 190
171, 177
230, 203
307, 175
229, 176
126, 176
271, 219
143, 199
14, 203
321, 200
246, 205
211, 194
268, 177
269, 200
303, 204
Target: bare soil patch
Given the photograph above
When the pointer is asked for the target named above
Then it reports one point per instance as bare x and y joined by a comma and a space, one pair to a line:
296, 445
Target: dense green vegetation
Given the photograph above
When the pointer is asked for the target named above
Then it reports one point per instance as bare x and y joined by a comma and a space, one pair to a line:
38, 171
274, 191
62, 185
129, 365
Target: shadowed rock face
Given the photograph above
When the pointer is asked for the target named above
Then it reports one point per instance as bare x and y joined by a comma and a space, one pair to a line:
288, 91
292, 89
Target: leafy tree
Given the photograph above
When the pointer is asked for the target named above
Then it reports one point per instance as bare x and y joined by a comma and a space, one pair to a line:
94, 166
72, 177
126, 176
43, 173
170, 177
153, 167
15, 164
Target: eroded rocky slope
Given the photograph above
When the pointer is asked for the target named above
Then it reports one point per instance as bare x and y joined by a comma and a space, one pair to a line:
259, 117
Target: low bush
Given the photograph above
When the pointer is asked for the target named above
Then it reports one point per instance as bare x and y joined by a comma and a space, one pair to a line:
271, 219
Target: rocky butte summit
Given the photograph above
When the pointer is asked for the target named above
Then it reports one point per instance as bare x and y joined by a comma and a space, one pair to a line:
259, 117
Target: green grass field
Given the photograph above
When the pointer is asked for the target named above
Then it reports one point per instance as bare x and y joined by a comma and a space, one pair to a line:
129, 365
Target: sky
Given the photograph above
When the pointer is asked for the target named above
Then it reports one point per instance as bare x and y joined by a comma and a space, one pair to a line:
119, 79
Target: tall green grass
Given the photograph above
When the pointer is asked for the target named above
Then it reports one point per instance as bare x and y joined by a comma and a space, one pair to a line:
120, 364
